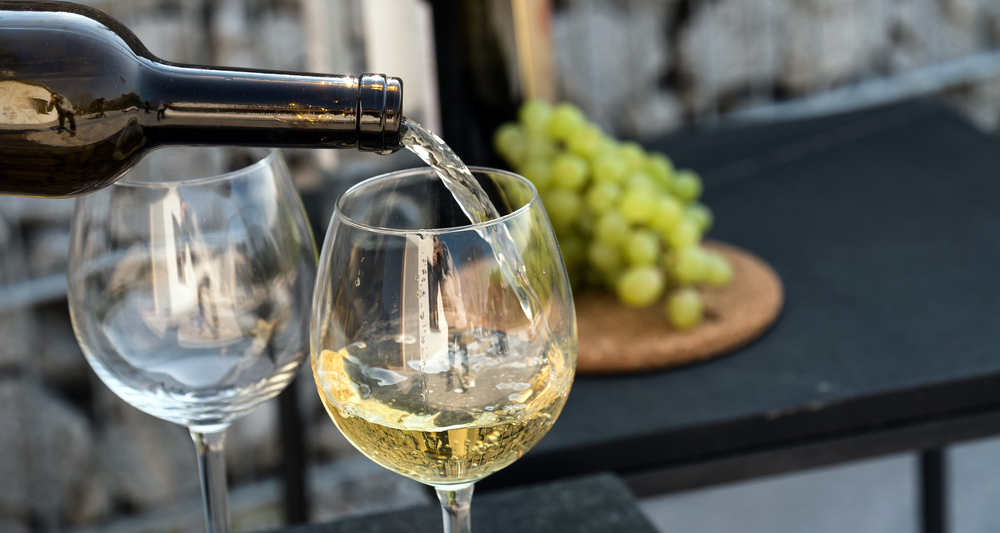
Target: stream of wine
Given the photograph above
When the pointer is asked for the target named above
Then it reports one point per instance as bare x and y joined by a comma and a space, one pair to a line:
476, 205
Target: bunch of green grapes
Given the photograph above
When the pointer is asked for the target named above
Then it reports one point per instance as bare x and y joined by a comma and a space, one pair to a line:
625, 218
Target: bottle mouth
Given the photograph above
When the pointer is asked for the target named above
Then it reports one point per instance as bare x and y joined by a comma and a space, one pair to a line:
380, 113
392, 134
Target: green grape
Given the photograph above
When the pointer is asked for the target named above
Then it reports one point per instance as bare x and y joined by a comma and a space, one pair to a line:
718, 272
689, 265
612, 228
566, 120
638, 206
586, 141
539, 172
535, 115
642, 247
661, 169
685, 308
607, 167
563, 208
640, 181
604, 257
701, 214
613, 205
608, 145
640, 286
686, 185
668, 212
539, 146
685, 233
602, 196
509, 142
570, 171
633, 155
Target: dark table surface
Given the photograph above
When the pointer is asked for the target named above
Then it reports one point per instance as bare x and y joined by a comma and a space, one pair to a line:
884, 226
594, 504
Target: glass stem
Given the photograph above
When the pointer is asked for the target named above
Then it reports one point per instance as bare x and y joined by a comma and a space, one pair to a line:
456, 501
212, 467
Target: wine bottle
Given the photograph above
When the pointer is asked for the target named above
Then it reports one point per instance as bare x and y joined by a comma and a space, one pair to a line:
491, 56
81, 100
474, 76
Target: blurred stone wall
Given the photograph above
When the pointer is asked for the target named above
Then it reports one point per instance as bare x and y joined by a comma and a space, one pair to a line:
641, 68
75, 457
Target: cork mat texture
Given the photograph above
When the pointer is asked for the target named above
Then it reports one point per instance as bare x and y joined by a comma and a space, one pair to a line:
615, 339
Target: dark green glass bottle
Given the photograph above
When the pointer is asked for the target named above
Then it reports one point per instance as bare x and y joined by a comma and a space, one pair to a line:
81, 100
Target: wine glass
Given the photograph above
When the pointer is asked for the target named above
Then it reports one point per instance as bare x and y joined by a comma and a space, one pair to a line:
429, 358
190, 292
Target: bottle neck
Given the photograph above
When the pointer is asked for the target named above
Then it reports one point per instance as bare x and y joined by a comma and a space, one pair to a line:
207, 106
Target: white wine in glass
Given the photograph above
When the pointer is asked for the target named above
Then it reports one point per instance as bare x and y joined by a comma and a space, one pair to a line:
425, 352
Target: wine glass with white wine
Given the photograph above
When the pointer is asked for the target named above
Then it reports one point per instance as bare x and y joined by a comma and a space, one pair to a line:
443, 350
190, 292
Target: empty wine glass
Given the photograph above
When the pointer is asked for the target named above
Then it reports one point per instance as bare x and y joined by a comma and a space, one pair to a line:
429, 358
190, 292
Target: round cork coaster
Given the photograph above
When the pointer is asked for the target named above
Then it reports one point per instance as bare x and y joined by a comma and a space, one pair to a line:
615, 339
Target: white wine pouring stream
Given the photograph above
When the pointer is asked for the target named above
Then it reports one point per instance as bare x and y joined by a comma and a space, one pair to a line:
476, 205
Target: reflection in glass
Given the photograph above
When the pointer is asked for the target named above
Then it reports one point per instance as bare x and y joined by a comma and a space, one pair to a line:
190, 295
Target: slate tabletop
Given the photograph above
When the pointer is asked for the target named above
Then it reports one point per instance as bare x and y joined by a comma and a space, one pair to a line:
884, 226
592, 504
